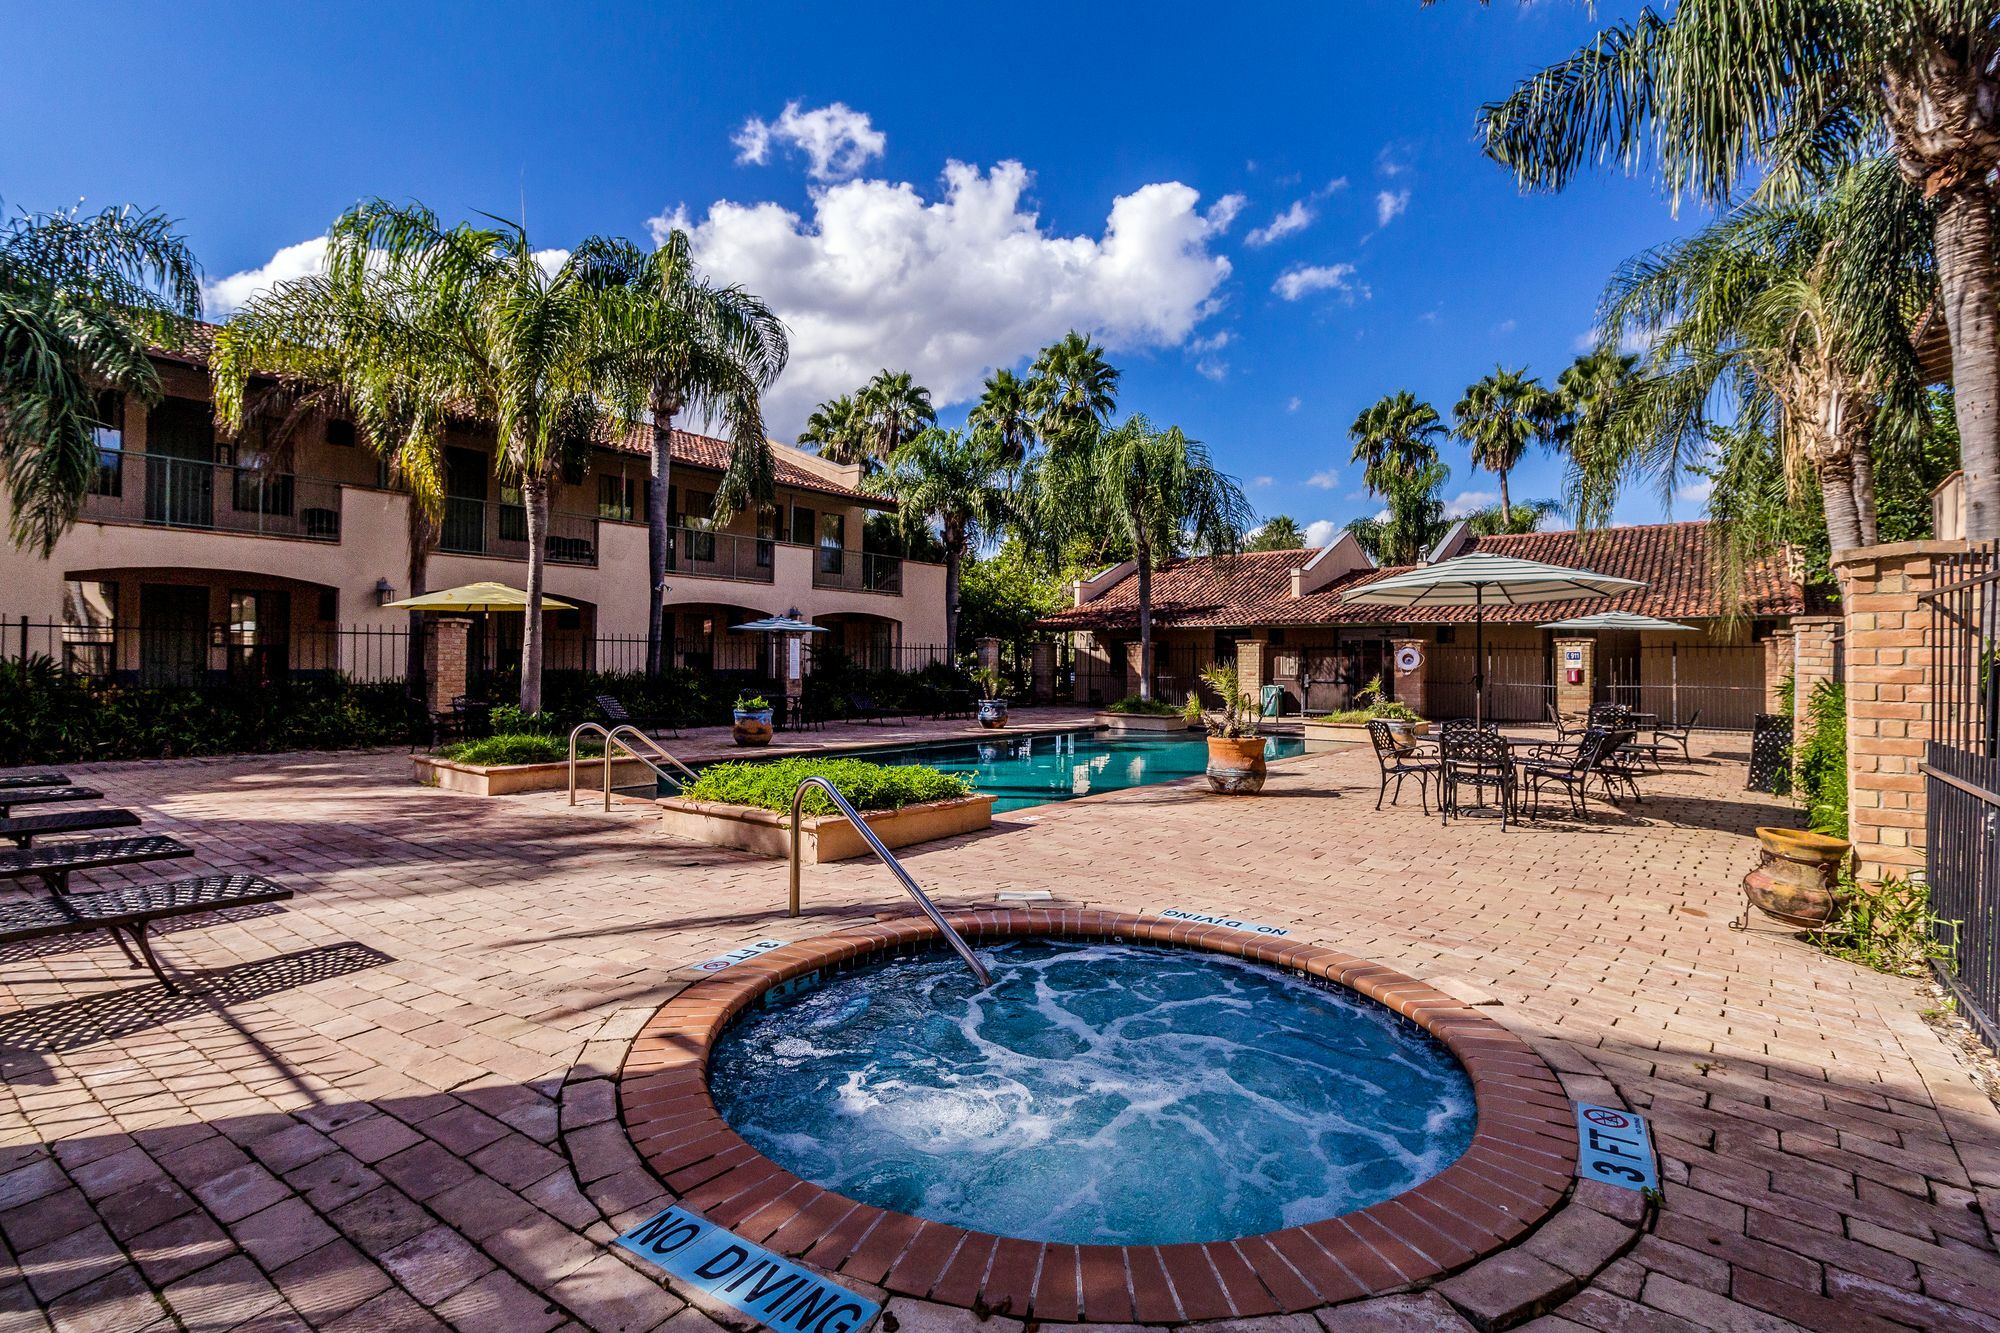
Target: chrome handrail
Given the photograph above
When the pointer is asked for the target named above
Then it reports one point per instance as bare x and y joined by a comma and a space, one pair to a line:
952, 937
617, 736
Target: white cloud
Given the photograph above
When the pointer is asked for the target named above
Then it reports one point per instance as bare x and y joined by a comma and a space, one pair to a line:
1294, 219
1329, 480
948, 288
1215, 342
1294, 403
838, 141
1261, 482
1469, 502
1322, 532
1334, 186
1390, 205
1506, 326
1224, 211
1304, 279
1388, 163
1211, 368
224, 296
1695, 492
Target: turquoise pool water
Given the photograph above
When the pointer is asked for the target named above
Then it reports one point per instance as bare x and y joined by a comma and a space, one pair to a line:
1097, 1093
1025, 770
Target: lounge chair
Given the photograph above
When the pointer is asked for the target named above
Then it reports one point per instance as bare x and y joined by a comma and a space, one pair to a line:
1677, 735
127, 912
865, 709
615, 714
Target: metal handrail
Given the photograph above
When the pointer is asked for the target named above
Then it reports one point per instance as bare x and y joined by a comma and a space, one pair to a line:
951, 937
617, 736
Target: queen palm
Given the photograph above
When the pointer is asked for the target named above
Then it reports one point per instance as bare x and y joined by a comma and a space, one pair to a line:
1279, 533
1072, 389
431, 322
1396, 435
1154, 490
674, 342
894, 408
81, 298
837, 430
1784, 93
1412, 521
956, 482
1006, 416
1499, 417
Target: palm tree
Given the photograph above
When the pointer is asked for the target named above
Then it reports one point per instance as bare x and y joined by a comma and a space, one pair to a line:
1397, 436
1499, 417
420, 323
1784, 93
676, 342
1527, 516
1072, 389
894, 408
1156, 489
1585, 395
837, 430
1281, 533
81, 298
1005, 414
956, 482
1414, 520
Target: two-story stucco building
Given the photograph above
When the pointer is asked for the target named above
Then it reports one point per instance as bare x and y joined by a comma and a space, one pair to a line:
196, 556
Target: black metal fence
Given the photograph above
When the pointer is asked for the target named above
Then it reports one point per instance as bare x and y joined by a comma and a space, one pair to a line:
198, 653
1962, 778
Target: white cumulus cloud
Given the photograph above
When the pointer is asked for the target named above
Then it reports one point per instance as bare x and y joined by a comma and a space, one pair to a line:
837, 140
1322, 532
225, 296
1329, 480
1469, 502
949, 287
1390, 205
1304, 279
1294, 219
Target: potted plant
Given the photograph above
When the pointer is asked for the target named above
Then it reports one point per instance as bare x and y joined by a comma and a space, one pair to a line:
1374, 705
751, 724
1235, 750
992, 697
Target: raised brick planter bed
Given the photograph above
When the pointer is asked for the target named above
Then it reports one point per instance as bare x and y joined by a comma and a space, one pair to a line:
1518, 1170
823, 838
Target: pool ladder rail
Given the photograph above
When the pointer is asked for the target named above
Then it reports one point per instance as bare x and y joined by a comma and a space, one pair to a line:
951, 936
631, 740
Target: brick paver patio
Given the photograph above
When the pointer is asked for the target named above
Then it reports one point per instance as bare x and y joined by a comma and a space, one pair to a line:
388, 1104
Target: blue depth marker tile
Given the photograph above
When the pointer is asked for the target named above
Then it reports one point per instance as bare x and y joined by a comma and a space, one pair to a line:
1615, 1147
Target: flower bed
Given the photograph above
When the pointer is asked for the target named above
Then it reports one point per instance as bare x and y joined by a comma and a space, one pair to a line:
748, 806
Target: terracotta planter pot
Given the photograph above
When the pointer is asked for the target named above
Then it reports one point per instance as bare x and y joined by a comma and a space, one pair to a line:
1797, 879
752, 726
1236, 765
992, 713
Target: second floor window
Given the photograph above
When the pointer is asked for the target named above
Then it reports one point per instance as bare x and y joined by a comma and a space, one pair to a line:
621, 499
832, 542
109, 477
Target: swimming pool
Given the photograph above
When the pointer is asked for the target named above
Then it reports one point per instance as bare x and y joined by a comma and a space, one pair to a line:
1024, 770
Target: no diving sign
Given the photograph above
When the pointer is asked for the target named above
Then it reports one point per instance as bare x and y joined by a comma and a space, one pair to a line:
1614, 1147
773, 1291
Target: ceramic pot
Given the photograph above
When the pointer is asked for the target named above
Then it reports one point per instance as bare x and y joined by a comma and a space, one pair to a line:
752, 726
1797, 879
1236, 765
1404, 734
992, 713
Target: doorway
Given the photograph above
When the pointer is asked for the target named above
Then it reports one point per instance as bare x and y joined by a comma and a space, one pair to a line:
173, 634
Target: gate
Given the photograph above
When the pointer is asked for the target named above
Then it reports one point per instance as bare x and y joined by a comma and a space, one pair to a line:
1962, 777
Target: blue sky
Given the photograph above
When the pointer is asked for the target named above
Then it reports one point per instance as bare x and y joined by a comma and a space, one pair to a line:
1120, 169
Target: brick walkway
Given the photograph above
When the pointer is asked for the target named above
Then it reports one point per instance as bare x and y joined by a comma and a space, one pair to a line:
387, 1104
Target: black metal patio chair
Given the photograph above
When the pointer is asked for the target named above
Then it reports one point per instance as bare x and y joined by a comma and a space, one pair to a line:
1474, 757
1400, 764
1678, 734
1570, 767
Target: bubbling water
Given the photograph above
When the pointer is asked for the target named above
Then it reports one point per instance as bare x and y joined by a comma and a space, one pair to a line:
1096, 1094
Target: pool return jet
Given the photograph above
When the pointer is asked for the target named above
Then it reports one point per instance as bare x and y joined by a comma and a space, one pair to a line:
951, 937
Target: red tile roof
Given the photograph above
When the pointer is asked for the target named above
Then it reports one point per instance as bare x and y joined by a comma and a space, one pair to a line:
1674, 560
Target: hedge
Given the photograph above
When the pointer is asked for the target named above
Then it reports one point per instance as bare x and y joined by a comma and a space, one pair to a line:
769, 785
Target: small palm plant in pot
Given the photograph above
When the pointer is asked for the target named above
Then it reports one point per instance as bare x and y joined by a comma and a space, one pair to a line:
992, 697
1235, 750
751, 724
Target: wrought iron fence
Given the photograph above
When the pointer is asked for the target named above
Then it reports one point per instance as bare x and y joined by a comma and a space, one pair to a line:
1962, 778
483, 527
203, 653
1519, 687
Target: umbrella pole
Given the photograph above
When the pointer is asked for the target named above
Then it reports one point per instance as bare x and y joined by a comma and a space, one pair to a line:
1479, 654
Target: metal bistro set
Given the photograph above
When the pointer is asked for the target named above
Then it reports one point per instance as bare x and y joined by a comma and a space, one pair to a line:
127, 911
1518, 772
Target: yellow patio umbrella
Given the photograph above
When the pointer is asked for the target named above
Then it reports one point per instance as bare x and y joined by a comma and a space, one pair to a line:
477, 597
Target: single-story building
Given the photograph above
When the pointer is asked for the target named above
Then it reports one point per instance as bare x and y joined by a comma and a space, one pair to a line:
1281, 617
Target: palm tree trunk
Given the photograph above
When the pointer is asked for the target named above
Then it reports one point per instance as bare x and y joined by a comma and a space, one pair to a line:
417, 573
1506, 504
535, 498
1145, 560
658, 537
1864, 492
954, 553
1965, 260
1836, 486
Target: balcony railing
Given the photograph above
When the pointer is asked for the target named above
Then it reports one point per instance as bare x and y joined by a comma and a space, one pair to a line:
721, 555
221, 497
857, 571
482, 527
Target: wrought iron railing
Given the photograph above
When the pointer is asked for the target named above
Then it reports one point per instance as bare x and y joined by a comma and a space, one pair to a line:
484, 527
721, 555
857, 571
184, 493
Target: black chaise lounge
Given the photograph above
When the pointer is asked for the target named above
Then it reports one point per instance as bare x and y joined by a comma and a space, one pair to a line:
27, 828
19, 780
55, 862
615, 714
45, 796
127, 912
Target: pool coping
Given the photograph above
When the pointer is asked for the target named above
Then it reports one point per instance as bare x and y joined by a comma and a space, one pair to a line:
1517, 1171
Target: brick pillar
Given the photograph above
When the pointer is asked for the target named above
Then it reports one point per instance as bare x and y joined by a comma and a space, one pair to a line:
444, 661
1778, 652
989, 654
1410, 684
1891, 690
1042, 672
1573, 699
1252, 665
1812, 662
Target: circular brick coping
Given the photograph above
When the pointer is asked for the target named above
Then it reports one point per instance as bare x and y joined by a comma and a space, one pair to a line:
1517, 1170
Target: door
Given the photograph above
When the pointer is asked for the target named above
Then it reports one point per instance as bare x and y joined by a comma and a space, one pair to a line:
173, 634
180, 465
464, 501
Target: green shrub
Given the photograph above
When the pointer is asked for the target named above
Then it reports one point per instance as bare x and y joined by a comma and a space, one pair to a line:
509, 720
1375, 705
769, 785
1887, 927
1132, 704
1819, 760
507, 749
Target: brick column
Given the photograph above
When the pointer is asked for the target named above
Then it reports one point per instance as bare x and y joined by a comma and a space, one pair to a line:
1573, 700
1042, 672
1812, 662
444, 661
1252, 665
1410, 684
1891, 689
1778, 652
989, 654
